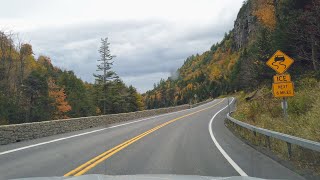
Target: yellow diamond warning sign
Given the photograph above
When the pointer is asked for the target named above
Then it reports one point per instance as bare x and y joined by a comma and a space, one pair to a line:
283, 89
280, 62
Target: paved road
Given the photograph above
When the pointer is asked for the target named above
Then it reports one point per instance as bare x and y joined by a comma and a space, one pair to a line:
181, 143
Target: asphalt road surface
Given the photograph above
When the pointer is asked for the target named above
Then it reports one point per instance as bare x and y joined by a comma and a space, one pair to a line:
188, 142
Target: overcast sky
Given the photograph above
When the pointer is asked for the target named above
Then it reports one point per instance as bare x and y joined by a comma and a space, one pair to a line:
150, 38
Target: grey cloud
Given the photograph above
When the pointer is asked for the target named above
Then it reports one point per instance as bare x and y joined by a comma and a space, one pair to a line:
146, 50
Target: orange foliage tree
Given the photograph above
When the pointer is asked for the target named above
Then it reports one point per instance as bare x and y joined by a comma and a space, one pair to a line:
265, 12
61, 106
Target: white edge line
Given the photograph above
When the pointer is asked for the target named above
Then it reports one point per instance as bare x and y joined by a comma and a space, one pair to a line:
233, 164
90, 132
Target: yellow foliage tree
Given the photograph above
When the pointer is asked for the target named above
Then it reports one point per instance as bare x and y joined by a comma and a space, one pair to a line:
190, 86
215, 73
140, 101
158, 96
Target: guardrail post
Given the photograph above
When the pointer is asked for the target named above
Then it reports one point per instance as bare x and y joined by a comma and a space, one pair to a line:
289, 150
234, 124
268, 142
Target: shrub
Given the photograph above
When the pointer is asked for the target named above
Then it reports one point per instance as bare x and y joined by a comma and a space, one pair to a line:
301, 103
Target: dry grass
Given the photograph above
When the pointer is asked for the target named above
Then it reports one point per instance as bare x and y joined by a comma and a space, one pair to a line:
303, 121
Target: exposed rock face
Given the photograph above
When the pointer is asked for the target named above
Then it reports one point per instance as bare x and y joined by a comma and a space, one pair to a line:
244, 25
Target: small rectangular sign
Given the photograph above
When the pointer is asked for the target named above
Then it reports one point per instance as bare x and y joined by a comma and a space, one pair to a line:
280, 78
283, 89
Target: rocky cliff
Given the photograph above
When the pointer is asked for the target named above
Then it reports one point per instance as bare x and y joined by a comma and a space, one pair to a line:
245, 24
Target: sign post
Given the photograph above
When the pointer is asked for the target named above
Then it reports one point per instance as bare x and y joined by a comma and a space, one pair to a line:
285, 107
282, 86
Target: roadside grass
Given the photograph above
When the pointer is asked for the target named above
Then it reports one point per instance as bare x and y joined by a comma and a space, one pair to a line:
303, 121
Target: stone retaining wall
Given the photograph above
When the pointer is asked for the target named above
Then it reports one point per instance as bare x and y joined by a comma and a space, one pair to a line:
20, 132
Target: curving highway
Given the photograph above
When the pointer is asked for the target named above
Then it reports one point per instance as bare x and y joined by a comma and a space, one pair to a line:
188, 142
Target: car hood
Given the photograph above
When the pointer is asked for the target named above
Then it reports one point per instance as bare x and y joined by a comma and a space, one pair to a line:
141, 177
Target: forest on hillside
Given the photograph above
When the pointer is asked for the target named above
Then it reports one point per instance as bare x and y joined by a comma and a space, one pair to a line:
237, 63
32, 89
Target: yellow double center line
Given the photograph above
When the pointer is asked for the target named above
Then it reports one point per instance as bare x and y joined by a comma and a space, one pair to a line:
95, 161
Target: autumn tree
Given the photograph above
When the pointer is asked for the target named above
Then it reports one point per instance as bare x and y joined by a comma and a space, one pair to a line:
265, 12
59, 102
7, 52
79, 96
25, 51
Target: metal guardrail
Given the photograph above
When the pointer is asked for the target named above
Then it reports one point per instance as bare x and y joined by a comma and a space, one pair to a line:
312, 145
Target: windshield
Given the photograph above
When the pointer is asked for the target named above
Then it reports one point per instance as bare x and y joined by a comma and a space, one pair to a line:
170, 88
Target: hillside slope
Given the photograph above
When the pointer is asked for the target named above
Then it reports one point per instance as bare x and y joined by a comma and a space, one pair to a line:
238, 61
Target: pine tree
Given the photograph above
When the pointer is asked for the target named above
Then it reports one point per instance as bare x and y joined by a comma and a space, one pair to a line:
105, 66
